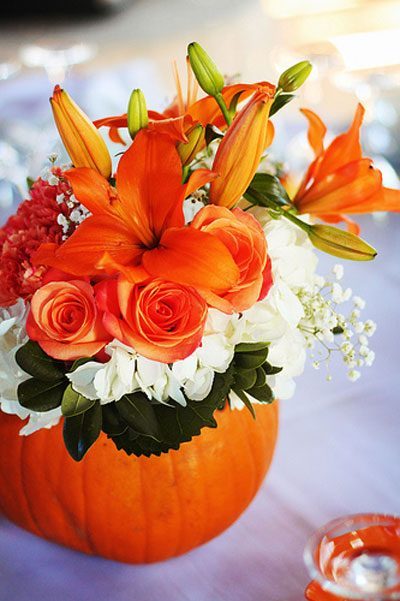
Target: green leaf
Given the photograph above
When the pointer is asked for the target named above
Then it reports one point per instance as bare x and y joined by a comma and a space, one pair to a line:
138, 412
177, 424
250, 347
271, 370
29, 182
81, 431
279, 102
245, 399
34, 361
41, 396
112, 421
74, 403
262, 393
250, 360
260, 379
245, 379
267, 187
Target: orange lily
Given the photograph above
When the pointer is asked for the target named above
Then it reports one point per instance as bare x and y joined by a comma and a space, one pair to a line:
340, 180
137, 228
239, 153
81, 139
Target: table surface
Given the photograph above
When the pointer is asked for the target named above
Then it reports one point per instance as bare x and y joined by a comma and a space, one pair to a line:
338, 453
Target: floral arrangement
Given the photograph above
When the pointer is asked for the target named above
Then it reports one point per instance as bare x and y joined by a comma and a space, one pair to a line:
139, 301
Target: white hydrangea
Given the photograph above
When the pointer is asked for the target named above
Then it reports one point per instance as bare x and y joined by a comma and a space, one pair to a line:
124, 373
12, 337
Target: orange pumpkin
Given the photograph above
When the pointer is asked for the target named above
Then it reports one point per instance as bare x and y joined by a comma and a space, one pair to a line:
130, 509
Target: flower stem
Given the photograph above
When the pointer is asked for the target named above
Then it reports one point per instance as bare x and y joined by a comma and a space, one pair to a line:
224, 109
269, 203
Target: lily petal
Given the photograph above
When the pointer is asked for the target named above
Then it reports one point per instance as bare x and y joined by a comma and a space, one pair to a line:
316, 131
346, 190
149, 186
193, 258
197, 179
92, 190
83, 252
344, 148
352, 226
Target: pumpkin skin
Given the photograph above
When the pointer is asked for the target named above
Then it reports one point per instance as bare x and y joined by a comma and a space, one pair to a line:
130, 509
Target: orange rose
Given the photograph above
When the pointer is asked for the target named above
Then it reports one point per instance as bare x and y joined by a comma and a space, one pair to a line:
244, 237
65, 321
161, 320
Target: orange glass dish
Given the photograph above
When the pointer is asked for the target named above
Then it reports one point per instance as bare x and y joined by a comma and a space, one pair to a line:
355, 557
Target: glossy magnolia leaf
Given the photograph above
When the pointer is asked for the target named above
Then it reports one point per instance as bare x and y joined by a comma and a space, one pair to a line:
138, 412
38, 395
265, 188
245, 379
177, 424
34, 361
261, 375
81, 431
112, 421
279, 102
271, 370
263, 393
250, 347
250, 360
74, 403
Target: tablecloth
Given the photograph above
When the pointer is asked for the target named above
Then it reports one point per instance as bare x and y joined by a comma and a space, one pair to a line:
338, 453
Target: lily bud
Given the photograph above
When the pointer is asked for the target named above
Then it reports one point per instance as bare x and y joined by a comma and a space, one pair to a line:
295, 76
206, 72
137, 113
81, 139
239, 153
188, 150
340, 243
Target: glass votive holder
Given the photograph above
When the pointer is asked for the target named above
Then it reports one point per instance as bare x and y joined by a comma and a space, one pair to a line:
355, 557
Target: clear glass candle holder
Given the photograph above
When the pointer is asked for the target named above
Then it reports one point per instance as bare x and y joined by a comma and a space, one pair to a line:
355, 557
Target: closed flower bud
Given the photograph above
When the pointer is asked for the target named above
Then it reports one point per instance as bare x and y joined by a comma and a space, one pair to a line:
137, 113
188, 150
239, 153
295, 76
339, 243
81, 139
205, 70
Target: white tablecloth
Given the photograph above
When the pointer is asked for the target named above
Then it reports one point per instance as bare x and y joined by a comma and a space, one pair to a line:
338, 453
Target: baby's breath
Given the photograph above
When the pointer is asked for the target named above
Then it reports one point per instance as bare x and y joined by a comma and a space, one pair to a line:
327, 329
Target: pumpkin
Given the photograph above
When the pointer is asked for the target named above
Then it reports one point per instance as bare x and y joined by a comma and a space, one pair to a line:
131, 509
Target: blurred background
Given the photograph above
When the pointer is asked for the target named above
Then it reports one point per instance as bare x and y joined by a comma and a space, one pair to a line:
101, 49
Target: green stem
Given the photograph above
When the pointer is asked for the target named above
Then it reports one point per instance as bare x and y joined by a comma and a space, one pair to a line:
272, 204
304, 226
224, 109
